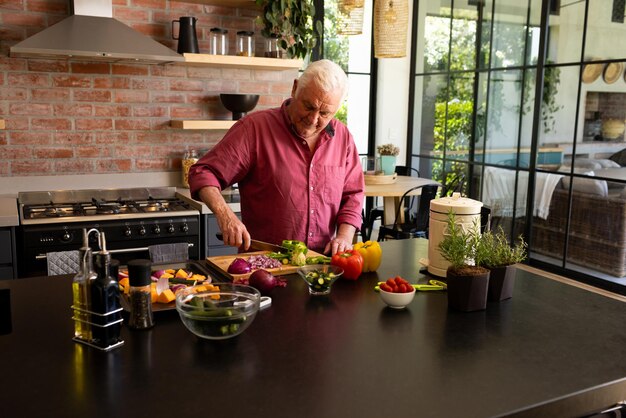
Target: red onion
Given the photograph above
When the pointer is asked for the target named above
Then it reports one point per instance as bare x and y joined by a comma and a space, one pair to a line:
239, 266
263, 262
265, 281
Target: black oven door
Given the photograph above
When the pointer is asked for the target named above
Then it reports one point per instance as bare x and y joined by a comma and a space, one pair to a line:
34, 242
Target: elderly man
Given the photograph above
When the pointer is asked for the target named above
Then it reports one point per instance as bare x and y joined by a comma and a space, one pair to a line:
298, 170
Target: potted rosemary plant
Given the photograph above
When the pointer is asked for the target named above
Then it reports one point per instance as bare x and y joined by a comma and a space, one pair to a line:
468, 281
388, 154
496, 254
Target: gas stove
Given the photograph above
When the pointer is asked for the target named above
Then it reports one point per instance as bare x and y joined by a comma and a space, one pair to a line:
63, 206
132, 219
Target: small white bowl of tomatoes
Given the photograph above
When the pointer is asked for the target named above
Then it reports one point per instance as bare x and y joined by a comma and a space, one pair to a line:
396, 292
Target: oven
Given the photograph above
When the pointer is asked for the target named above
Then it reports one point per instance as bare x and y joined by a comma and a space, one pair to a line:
132, 220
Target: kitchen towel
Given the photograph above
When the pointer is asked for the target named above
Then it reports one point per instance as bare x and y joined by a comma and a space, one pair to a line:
63, 262
169, 253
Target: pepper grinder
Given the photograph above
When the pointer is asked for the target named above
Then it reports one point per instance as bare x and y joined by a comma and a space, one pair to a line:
139, 272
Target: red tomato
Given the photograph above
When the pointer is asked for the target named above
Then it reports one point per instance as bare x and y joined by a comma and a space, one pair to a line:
399, 280
351, 261
390, 282
386, 287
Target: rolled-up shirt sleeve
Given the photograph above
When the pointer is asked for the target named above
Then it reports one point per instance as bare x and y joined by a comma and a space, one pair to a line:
222, 165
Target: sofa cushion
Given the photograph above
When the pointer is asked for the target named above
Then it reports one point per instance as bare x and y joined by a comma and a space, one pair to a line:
585, 185
582, 163
619, 157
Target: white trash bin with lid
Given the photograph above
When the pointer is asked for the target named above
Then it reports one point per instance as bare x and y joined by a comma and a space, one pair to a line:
467, 213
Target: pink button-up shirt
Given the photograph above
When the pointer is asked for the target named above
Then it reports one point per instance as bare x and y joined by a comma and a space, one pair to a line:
287, 191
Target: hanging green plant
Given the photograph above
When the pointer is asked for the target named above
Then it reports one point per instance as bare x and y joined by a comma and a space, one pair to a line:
292, 22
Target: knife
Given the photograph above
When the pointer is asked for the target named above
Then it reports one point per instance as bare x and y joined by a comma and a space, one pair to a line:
260, 245
266, 246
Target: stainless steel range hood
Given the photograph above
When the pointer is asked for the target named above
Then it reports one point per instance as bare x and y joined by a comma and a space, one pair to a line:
92, 33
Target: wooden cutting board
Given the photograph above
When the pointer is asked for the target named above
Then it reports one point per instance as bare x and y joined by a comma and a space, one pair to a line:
221, 263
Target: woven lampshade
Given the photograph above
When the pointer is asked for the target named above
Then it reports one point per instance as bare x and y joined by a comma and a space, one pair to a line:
350, 18
391, 23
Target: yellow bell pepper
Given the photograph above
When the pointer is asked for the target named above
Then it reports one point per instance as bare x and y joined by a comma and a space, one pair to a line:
372, 255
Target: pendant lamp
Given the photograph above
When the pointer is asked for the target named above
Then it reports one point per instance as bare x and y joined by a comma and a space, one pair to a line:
391, 23
350, 18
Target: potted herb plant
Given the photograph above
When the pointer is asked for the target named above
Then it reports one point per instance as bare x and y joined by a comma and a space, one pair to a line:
468, 281
291, 22
388, 154
496, 254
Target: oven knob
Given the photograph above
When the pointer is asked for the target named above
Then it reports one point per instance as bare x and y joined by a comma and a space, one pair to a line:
66, 236
142, 231
171, 229
128, 232
184, 228
156, 229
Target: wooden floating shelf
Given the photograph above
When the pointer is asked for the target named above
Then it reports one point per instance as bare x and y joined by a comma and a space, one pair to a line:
2, 125
239, 4
235, 61
202, 124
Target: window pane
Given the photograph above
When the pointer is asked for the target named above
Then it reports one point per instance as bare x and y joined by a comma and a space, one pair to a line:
358, 110
435, 43
565, 37
503, 118
509, 35
463, 43
600, 29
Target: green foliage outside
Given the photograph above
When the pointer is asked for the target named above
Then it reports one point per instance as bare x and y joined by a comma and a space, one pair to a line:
335, 48
456, 133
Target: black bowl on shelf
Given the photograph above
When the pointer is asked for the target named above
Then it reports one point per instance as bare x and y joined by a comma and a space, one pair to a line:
239, 104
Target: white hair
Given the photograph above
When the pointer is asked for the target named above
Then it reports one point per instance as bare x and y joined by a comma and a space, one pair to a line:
328, 75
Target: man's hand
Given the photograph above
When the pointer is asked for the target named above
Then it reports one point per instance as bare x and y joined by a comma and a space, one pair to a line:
234, 232
342, 241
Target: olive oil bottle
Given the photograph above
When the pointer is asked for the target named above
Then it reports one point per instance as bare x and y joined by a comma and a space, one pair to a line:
81, 292
105, 301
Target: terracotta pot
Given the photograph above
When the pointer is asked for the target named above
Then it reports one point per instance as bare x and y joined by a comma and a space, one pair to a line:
501, 282
468, 292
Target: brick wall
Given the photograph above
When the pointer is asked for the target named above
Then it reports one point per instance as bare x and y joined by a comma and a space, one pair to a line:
76, 117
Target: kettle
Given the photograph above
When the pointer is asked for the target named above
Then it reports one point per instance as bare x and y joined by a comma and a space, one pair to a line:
467, 213
187, 38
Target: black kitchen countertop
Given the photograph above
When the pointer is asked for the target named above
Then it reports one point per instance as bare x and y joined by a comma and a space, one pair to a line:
552, 350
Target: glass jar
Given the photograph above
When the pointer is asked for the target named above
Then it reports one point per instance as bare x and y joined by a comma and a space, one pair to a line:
218, 41
245, 43
189, 159
272, 50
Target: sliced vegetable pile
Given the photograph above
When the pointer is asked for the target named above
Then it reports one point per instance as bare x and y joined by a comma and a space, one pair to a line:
165, 283
296, 254
319, 280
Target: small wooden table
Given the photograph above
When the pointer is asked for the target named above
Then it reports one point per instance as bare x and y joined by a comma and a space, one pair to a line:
391, 194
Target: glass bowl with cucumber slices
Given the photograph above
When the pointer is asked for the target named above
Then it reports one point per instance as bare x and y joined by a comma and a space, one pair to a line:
218, 311
320, 277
